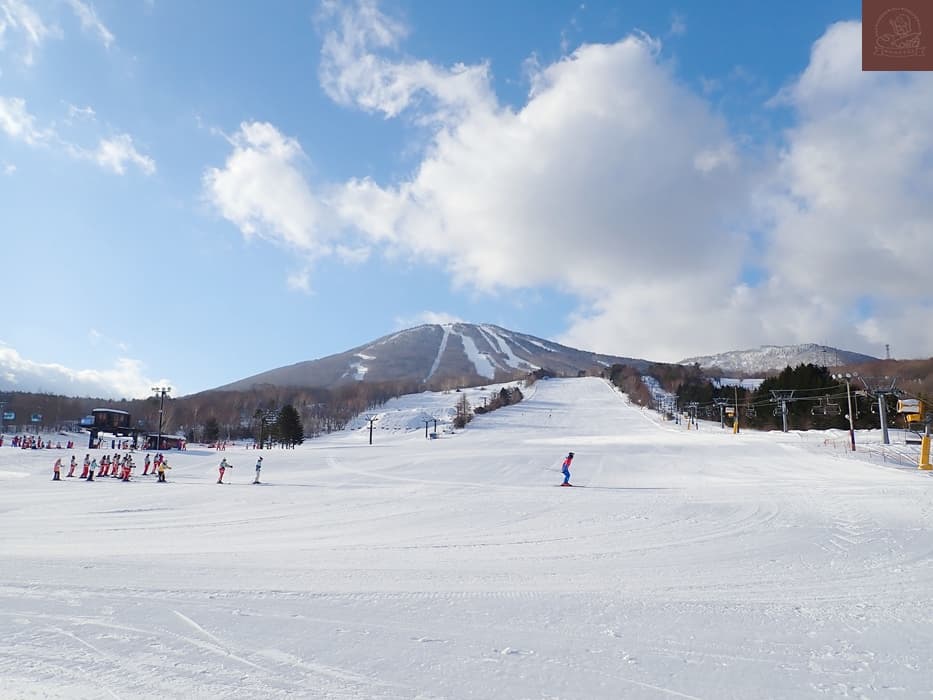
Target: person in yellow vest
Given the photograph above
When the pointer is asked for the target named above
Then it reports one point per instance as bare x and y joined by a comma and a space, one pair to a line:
163, 465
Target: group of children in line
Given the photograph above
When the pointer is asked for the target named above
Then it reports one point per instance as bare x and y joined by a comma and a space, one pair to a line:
34, 442
116, 467
122, 467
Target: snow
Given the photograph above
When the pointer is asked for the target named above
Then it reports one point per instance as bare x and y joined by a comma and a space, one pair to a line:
512, 360
440, 352
480, 360
695, 564
359, 369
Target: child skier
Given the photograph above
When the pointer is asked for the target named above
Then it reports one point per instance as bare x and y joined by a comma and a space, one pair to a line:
146, 466
163, 465
222, 468
57, 470
93, 468
565, 469
72, 466
87, 464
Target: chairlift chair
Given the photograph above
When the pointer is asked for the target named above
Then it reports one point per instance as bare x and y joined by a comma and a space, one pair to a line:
750, 412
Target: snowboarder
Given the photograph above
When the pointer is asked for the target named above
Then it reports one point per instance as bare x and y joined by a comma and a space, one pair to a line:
57, 470
222, 468
258, 467
72, 466
565, 469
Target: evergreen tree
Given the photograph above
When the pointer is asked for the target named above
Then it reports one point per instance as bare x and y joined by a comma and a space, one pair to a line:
290, 430
211, 430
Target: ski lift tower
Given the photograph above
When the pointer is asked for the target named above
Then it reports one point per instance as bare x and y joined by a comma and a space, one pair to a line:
783, 396
721, 405
881, 391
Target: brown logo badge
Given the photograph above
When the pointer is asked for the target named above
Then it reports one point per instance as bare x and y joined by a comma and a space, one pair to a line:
896, 34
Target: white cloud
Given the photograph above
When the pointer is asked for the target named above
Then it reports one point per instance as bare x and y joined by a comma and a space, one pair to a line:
300, 280
124, 380
617, 184
678, 25
852, 200
117, 152
262, 190
81, 112
17, 16
113, 154
427, 317
9, 168
91, 22
19, 124
353, 71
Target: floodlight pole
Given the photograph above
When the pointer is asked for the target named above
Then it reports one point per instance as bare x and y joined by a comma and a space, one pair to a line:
371, 421
848, 377
161, 391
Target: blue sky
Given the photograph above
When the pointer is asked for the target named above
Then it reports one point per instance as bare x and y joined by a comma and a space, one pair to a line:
192, 193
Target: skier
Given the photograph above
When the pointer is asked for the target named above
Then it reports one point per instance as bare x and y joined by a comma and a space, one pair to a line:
163, 465
565, 469
258, 467
57, 470
127, 466
222, 468
87, 464
72, 466
146, 466
93, 468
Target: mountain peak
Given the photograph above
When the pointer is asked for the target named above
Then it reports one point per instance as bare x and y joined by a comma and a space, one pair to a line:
438, 355
771, 358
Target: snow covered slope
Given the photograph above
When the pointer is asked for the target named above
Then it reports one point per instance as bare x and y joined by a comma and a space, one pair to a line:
447, 354
695, 564
774, 358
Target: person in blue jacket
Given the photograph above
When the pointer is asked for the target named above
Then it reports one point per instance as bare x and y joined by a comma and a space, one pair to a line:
565, 469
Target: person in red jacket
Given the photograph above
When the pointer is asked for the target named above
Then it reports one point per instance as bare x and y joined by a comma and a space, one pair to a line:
72, 466
222, 468
57, 470
565, 469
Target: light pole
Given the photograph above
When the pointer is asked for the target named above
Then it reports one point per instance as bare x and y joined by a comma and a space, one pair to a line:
161, 391
846, 377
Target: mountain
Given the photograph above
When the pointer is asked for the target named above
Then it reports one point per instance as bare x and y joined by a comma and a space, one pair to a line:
438, 355
774, 358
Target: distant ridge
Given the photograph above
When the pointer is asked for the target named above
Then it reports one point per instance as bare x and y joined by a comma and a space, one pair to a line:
438, 355
774, 358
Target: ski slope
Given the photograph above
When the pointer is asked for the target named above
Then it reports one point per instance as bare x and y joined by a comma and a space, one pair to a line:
695, 564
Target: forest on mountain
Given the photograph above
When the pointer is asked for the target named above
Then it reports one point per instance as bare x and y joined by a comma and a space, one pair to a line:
211, 415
